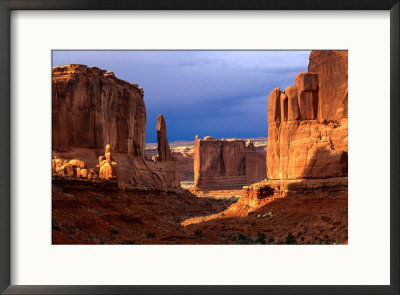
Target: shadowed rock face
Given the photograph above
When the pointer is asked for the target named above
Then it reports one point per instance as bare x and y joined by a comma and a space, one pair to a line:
92, 108
164, 151
307, 133
226, 163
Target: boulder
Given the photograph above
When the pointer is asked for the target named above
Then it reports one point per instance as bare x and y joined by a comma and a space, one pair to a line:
105, 171
84, 173
69, 169
78, 172
55, 163
77, 163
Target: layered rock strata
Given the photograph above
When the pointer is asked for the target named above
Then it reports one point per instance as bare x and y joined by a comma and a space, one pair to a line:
92, 108
226, 163
308, 133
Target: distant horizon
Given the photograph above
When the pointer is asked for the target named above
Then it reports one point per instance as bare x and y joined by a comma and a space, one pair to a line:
223, 94
226, 138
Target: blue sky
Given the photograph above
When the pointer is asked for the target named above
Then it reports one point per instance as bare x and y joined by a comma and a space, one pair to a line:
216, 93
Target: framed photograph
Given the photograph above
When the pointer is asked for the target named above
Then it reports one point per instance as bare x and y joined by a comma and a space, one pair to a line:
199, 148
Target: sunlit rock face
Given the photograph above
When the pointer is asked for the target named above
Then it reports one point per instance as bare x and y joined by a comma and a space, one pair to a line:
307, 123
226, 163
93, 110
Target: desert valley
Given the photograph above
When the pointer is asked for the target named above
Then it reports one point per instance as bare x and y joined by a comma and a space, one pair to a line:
111, 187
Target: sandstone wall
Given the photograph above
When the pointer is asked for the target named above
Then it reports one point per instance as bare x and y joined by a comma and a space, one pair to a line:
226, 163
307, 123
92, 108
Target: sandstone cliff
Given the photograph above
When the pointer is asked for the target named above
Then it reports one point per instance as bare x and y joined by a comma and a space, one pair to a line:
226, 163
92, 108
308, 134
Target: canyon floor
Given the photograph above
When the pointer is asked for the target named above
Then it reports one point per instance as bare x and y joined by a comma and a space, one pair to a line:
183, 151
110, 216
100, 213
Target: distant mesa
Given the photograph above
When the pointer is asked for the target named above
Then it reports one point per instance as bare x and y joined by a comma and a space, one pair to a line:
223, 164
209, 138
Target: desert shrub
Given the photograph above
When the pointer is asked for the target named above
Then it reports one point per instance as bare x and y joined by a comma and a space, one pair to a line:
290, 240
233, 199
114, 232
232, 237
261, 238
242, 237
128, 242
198, 233
151, 235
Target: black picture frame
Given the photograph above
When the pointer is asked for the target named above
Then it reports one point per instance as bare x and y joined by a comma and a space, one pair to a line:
7, 6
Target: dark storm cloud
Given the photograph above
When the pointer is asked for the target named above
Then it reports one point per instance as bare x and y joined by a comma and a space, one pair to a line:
217, 93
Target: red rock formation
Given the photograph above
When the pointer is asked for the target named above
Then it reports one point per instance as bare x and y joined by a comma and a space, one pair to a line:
332, 69
164, 151
307, 135
92, 108
226, 163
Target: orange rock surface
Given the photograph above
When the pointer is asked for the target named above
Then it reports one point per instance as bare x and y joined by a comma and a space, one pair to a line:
307, 124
